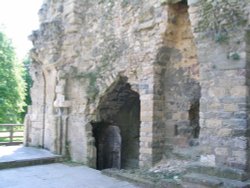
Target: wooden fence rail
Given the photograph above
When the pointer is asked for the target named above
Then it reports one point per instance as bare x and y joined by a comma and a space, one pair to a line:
11, 134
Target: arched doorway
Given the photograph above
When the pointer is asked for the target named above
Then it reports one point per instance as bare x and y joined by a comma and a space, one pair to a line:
117, 133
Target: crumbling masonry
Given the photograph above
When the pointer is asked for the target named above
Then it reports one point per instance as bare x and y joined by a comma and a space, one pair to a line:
147, 79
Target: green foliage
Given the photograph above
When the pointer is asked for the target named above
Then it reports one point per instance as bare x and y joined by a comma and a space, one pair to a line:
92, 77
12, 86
8, 140
234, 56
220, 37
220, 18
28, 81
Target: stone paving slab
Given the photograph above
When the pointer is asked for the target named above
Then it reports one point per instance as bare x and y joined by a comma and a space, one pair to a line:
58, 175
15, 153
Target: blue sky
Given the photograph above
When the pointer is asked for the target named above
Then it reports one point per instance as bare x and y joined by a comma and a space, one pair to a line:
18, 18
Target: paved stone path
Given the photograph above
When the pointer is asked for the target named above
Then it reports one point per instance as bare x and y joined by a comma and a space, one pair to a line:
58, 176
14, 153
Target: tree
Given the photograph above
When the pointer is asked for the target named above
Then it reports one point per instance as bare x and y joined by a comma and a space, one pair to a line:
12, 85
28, 80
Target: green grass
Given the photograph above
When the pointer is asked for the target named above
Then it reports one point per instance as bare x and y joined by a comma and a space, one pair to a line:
17, 128
8, 140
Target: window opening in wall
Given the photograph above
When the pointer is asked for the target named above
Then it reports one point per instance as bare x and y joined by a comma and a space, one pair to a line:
194, 119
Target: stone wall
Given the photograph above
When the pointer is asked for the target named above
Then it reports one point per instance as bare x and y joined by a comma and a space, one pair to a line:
223, 78
189, 69
83, 48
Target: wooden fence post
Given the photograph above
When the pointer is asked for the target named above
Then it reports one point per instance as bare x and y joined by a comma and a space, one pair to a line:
11, 134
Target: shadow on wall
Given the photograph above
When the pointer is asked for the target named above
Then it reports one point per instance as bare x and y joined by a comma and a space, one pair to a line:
182, 106
247, 37
180, 80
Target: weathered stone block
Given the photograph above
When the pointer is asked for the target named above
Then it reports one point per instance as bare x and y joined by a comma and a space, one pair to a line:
217, 92
235, 123
214, 123
145, 139
215, 106
60, 89
147, 116
221, 151
208, 160
239, 91
230, 107
146, 151
146, 129
180, 116
224, 132
240, 143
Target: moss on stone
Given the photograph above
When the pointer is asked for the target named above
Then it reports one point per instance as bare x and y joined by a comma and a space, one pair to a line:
221, 18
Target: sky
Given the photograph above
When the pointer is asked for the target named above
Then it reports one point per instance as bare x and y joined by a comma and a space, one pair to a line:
18, 18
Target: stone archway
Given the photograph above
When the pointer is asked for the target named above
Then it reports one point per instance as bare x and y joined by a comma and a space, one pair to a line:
117, 133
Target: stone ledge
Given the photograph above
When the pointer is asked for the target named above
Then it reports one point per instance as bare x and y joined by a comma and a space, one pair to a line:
127, 177
145, 183
202, 180
221, 172
30, 162
212, 181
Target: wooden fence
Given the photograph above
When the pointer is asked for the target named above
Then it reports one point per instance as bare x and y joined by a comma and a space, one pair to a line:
11, 134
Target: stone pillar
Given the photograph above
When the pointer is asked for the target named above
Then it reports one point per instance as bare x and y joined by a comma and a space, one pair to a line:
146, 131
62, 105
146, 117
151, 129
224, 95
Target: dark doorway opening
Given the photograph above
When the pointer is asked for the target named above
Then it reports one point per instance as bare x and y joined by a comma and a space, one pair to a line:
108, 144
194, 118
117, 134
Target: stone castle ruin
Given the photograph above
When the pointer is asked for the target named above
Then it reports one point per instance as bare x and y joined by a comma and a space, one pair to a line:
128, 83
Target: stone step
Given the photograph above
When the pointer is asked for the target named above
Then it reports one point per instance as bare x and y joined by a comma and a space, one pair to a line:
128, 177
194, 180
141, 181
227, 183
222, 172
30, 162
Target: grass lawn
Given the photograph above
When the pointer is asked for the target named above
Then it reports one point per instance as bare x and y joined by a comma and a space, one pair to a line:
8, 140
17, 128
